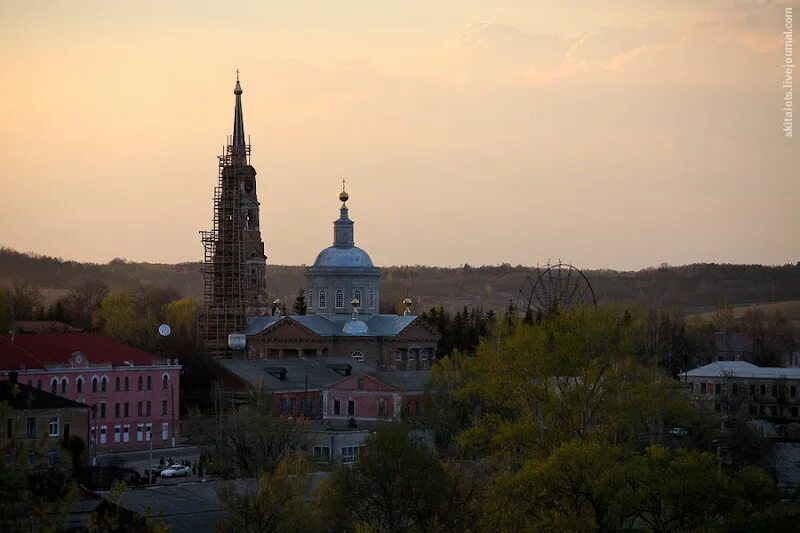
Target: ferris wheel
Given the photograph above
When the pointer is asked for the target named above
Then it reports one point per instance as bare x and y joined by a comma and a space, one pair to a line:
554, 288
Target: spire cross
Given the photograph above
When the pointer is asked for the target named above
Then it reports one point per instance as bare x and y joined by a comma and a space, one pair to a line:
237, 74
343, 182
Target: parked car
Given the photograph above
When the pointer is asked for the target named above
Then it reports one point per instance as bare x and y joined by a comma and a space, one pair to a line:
176, 471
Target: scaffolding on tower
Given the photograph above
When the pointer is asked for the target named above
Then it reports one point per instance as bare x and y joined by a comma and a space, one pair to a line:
223, 311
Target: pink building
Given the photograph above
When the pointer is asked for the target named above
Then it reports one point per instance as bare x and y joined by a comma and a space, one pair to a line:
376, 396
133, 394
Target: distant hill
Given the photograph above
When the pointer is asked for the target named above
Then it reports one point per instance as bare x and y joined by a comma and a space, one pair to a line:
695, 288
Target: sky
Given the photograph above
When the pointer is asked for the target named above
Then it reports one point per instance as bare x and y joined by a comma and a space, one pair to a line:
607, 133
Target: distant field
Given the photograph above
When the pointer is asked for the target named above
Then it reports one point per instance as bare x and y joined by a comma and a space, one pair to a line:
790, 309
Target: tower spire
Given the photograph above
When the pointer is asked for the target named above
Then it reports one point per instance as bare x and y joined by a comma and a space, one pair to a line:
239, 148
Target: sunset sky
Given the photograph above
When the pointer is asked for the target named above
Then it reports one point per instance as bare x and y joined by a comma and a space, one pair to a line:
612, 133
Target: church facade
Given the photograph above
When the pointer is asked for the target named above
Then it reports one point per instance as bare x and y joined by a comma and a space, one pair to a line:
342, 320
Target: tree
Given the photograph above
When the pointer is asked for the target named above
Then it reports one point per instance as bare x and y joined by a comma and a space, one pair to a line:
6, 312
118, 319
82, 301
27, 302
398, 485
299, 307
274, 502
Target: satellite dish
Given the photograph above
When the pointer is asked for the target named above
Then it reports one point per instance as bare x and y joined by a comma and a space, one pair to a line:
164, 330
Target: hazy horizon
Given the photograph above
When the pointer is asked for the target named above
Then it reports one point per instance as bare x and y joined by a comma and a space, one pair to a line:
615, 134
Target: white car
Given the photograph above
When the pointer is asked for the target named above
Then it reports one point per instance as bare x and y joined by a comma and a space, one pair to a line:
176, 471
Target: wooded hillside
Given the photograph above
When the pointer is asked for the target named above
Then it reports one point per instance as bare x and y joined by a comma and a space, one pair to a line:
695, 288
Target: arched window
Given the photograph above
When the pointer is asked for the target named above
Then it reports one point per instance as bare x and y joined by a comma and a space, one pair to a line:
127, 384
39, 384
357, 296
357, 355
372, 298
149, 382
103, 384
311, 299
116, 384
54, 386
63, 385
94, 384
339, 302
323, 302
165, 382
79, 385
140, 383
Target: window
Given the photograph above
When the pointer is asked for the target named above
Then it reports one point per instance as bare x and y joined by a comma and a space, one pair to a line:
10, 428
127, 412
360, 383
54, 386
149, 382
337, 407
774, 390
140, 383
79, 385
63, 385
398, 356
734, 389
717, 388
52, 458
424, 355
117, 433
94, 384
339, 301
30, 428
311, 299
773, 410
382, 408
351, 408
103, 410
139, 432
103, 434
283, 406
323, 302
763, 390
357, 296
116, 384
127, 384
116, 410
164, 382
794, 412
416, 407
148, 432
55, 423
164, 430
702, 388
372, 298
752, 390
292, 406
357, 355
149, 410
163, 407
103, 384
793, 391
349, 453
139, 409
752, 409
322, 453
126, 430
716, 407
39, 384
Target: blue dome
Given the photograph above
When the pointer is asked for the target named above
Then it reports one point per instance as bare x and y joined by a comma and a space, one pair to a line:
343, 257
356, 327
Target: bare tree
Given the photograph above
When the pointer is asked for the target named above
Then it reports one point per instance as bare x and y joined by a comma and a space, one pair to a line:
83, 301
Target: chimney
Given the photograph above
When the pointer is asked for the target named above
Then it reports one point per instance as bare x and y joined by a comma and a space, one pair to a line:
13, 377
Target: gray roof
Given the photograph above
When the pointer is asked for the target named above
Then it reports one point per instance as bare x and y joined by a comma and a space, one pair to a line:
742, 369
334, 325
341, 257
405, 381
320, 371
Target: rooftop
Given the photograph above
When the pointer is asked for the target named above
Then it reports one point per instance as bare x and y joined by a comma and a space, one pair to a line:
54, 349
334, 325
301, 373
742, 369
20, 396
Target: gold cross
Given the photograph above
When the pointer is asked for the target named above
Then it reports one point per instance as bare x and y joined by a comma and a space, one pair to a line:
237, 74
343, 182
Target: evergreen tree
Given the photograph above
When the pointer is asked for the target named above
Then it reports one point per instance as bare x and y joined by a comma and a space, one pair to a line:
300, 307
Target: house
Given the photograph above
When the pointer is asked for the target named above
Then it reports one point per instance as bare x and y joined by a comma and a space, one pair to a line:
133, 395
37, 423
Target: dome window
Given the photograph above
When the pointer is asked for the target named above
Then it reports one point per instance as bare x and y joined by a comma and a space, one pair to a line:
358, 356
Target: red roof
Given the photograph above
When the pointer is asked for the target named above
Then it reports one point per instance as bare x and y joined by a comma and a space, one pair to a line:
52, 349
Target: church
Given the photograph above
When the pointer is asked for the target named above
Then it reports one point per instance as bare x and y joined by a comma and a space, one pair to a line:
342, 320
343, 287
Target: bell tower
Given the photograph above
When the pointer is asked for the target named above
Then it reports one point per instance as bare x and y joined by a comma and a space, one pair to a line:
234, 266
